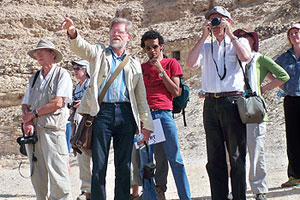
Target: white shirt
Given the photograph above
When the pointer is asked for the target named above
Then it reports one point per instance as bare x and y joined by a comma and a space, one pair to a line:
234, 80
64, 88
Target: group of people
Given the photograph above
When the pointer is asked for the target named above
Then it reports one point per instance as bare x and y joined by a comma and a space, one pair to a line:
143, 93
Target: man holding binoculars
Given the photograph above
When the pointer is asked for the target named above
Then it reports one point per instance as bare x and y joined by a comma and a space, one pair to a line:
222, 82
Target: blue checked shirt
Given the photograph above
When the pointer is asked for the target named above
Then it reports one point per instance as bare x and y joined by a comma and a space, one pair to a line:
292, 66
117, 92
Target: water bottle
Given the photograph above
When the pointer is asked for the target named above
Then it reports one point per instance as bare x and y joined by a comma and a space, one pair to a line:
201, 94
280, 94
139, 137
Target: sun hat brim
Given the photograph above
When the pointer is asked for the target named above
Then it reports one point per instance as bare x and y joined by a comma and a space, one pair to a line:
45, 44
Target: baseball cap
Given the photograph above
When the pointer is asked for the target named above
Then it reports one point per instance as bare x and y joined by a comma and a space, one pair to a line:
297, 26
217, 10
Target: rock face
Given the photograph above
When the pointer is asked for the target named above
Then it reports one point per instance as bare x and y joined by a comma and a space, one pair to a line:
24, 22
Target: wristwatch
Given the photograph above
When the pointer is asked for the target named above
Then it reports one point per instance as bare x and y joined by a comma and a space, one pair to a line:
35, 112
161, 74
234, 38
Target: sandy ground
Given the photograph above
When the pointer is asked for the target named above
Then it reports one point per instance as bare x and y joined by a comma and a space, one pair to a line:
14, 187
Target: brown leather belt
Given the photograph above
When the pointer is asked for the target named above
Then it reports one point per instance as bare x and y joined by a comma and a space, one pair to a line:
153, 110
223, 94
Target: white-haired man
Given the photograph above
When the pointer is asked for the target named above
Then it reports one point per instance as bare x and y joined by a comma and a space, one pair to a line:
124, 107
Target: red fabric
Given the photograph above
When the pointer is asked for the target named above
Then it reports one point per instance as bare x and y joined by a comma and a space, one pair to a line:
157, 94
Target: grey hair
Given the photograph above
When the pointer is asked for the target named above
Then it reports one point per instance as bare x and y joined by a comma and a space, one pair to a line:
118, 20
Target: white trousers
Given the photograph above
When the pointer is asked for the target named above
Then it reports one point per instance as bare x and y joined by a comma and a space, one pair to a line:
85, 173
52, 162
256, 141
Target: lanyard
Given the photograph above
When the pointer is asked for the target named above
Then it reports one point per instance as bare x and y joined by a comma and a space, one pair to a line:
212, 54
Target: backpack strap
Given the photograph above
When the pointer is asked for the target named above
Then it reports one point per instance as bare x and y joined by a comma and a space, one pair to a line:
183, 114
36, 75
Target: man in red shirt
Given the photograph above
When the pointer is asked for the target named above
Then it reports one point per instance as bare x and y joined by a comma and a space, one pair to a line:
162, 78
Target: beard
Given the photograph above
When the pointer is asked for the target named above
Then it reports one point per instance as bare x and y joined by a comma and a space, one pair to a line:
118, 44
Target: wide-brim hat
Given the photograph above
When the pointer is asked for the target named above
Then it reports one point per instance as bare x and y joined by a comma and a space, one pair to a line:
84, 64
46, 44
252, 33
217, 10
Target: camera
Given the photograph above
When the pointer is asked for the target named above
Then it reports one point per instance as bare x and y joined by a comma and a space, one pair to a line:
216, 21
27, 139
149, 170
71, 105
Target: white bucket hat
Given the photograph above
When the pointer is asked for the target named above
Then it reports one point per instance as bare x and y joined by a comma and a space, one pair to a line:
46, 44
84, 64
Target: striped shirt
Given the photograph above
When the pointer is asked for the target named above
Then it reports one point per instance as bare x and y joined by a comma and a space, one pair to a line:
117, 91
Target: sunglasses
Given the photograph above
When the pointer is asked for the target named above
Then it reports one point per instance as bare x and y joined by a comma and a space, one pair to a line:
149, 48
76, 68
244, 35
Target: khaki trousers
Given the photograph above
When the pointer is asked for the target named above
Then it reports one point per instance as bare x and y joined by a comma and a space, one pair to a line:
85, 173
52, 162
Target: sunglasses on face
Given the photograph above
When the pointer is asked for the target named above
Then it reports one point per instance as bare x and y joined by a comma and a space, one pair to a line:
76, 68
149, 48
244, 35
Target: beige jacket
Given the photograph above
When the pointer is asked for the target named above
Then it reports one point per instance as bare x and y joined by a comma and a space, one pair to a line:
100, 60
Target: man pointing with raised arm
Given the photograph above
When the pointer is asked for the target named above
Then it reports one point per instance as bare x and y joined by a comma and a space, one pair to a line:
122, 110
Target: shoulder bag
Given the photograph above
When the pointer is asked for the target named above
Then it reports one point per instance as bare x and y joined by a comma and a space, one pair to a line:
251, 107
81, 140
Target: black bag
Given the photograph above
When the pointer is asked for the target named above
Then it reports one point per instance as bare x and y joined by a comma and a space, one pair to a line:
180, 102
148, 168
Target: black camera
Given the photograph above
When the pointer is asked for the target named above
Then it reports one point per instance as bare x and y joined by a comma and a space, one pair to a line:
71, 105
149, 170
27, 139
216, 21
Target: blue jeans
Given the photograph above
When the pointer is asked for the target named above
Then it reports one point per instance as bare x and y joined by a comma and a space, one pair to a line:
114, 120
148, 184
171, 147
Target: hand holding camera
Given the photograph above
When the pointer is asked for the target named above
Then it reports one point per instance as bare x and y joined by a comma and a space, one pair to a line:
31, 139
75, 104
222, 23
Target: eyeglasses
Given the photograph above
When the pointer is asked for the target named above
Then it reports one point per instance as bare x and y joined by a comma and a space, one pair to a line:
117, 32
150, 48
76, 68
244, 35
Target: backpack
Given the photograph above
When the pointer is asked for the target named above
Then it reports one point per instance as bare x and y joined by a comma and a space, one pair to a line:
180, 102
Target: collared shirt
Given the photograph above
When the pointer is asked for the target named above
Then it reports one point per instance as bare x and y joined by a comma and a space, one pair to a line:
79, 89
288, 61
117, 91
64, 86
234, 79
